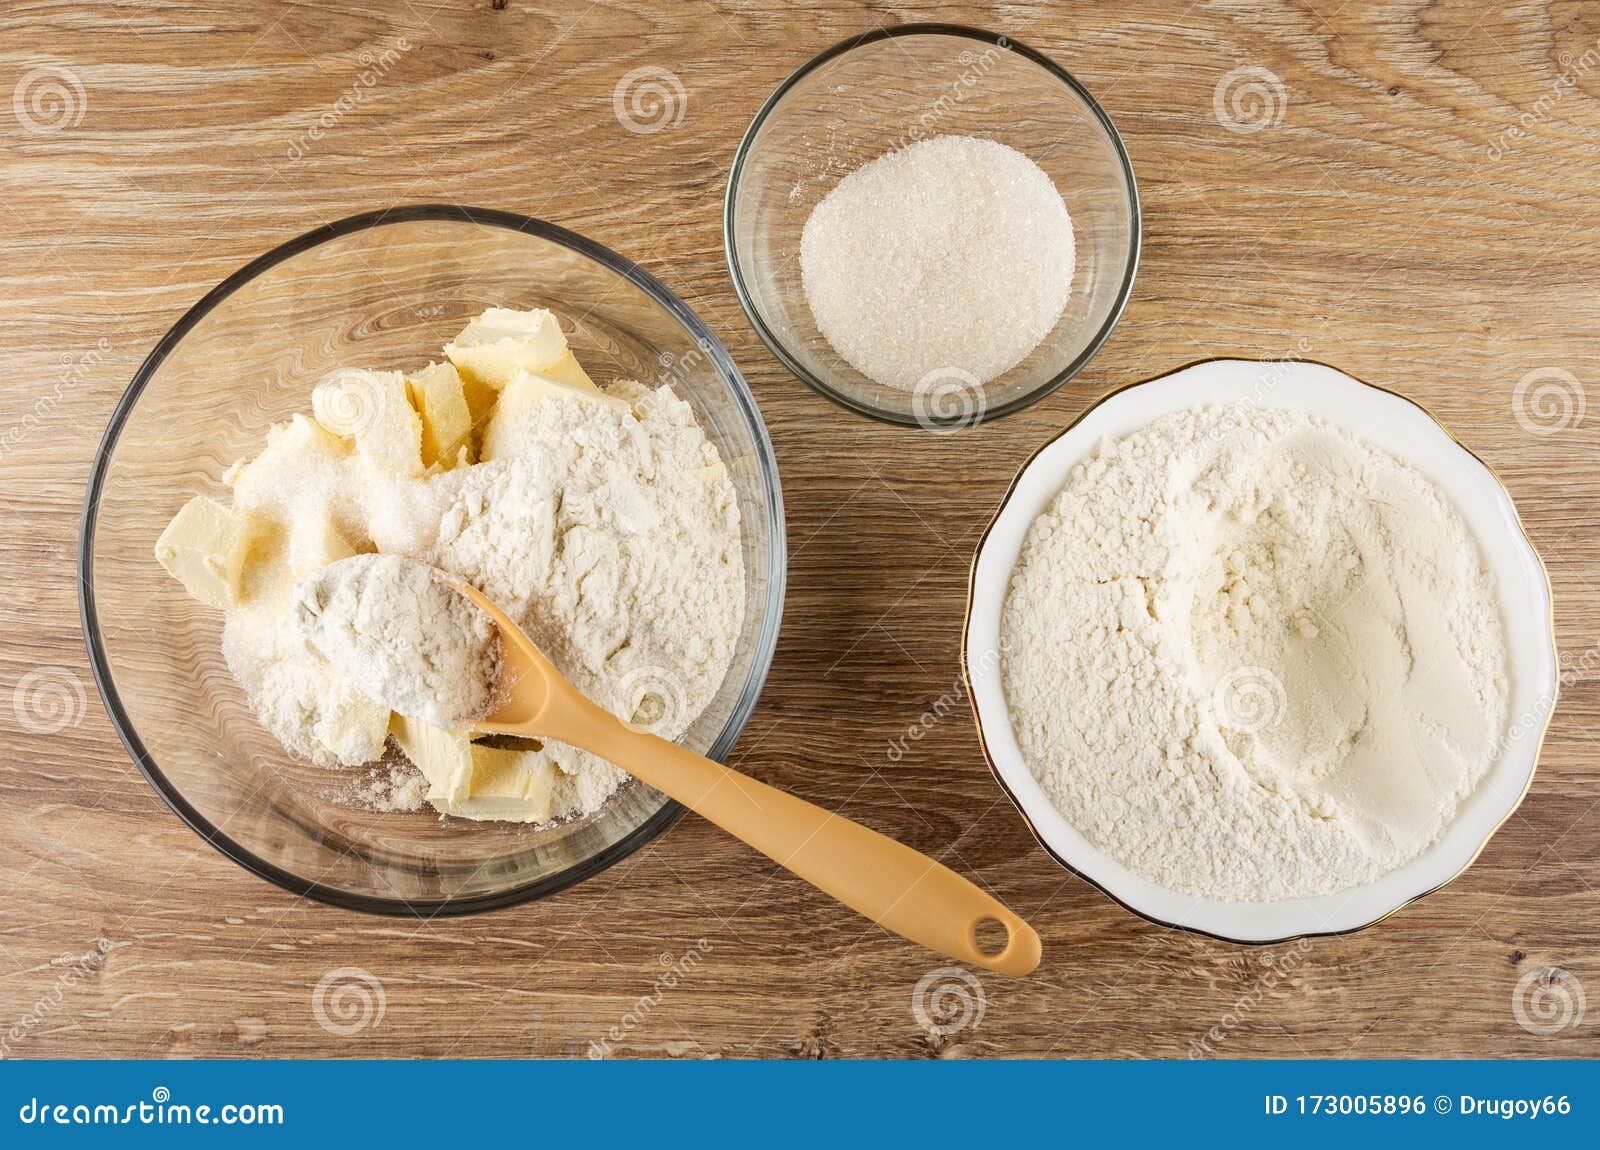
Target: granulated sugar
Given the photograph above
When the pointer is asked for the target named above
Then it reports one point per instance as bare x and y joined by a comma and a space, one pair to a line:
948, 260
1253, 657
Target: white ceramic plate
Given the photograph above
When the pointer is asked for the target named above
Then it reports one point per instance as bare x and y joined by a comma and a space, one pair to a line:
1386, 419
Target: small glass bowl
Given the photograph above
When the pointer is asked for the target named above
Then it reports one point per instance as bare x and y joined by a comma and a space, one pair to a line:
387, 289
874, 94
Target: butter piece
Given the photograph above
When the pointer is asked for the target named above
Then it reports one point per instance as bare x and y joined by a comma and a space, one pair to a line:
473, 781
527, 389
481, 399
502, 341
314, 542
569, 371
352, 726
443, 755
462, 458
374, 409
204, 548
516, 786
440, 399
527, 386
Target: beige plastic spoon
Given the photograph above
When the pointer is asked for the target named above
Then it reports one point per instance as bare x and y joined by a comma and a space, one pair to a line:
890, 883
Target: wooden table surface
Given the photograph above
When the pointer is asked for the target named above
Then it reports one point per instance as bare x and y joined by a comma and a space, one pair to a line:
1416, 206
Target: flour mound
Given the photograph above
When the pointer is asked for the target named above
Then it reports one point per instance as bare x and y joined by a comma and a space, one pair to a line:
1254, 657
605, 525
610, 532
403, 636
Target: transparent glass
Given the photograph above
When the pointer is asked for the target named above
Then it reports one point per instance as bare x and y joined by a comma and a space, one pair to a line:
381, 290
868, 96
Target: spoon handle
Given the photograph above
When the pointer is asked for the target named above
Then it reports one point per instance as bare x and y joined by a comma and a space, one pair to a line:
895, 886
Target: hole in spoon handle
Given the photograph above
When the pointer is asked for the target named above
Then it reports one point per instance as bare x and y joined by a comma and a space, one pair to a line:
1002, 942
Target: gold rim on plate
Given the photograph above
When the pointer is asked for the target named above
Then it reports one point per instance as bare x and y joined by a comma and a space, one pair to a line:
977, 718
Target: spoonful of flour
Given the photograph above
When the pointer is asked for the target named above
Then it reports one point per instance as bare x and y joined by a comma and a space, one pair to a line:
404, 636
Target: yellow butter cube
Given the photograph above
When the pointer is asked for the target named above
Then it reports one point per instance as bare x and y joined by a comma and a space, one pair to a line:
204, 548
524, 391
314, 542
352, 726
569, 371
443, 755
502, 341
474, 781
517, 786
440, 399
319, 715
481, 399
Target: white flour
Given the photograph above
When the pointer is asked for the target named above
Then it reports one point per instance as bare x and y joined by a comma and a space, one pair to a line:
611, 533
1253, 657
402, 636
946, 261
608, 527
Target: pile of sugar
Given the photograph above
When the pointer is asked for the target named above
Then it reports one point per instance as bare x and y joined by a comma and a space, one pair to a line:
1253, 657
948, 260
403, 636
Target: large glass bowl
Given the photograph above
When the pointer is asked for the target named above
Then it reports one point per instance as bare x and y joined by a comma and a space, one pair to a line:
877, 93
386, 289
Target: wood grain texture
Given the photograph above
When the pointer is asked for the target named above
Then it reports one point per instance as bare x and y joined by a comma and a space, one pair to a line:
1388, 222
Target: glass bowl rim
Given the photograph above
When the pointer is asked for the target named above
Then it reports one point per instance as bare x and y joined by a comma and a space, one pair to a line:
999, 40
766, 639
